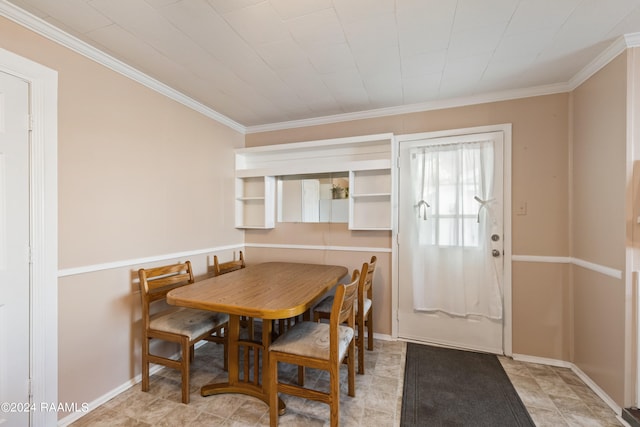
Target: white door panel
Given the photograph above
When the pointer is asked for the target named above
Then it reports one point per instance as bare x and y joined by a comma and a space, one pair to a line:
14, 251
469, 331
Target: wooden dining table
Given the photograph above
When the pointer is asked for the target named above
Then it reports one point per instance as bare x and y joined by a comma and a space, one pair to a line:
269, 291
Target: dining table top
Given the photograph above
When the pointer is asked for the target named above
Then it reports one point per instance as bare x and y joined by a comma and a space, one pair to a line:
271, 290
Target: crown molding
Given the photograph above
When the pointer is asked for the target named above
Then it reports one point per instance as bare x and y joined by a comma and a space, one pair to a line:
416, 108
618, 46
47, 30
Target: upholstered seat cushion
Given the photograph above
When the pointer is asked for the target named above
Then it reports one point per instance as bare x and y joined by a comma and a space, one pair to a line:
187, 321
326, 305
311, 339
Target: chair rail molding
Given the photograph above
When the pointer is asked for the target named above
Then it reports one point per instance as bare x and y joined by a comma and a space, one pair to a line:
607, 271
139, 261
319, 247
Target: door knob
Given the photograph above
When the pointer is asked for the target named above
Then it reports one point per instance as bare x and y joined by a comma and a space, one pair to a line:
495, 253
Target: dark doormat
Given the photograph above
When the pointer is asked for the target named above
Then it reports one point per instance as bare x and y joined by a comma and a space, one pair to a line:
445, 387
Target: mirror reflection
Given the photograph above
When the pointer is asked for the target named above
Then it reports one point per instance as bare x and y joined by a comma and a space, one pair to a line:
313, 198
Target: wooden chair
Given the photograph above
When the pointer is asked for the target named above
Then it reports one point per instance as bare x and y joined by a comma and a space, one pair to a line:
227, 267
184, 326
321, 346
364, 311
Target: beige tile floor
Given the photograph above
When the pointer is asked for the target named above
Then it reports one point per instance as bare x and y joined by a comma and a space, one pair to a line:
553, 396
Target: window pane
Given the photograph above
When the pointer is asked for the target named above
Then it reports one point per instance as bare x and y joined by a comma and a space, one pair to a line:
470, 227
448, 232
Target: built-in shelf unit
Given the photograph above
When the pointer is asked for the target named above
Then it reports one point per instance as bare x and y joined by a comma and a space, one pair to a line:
367, 159
255, 196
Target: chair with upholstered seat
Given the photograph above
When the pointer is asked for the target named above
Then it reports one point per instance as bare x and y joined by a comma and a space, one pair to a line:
227, 267
321, 346
364, 310
184, 326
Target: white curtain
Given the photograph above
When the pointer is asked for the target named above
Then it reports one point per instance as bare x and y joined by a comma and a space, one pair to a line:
454, 271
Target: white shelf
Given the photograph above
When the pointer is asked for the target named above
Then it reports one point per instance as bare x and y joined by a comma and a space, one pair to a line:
356, 196
370, 199
250, 198
255, 202
366, 158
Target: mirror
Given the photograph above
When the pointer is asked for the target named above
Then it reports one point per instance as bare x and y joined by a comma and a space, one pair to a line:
313, 198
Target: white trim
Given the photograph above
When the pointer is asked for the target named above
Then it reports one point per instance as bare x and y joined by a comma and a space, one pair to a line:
618, 46
395, 206
43, 84
607, 271
75, 416
505, 128
139, 261
538, 258
47, 30
576, 370
318, 247
415, 108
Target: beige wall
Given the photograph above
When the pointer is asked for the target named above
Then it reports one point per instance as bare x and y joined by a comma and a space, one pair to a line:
541, 291
139, 176
599, 185
336, 235
540, 179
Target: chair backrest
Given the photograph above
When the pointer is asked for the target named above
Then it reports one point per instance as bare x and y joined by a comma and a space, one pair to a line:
156, 282
343, 310
229, 266
366, 281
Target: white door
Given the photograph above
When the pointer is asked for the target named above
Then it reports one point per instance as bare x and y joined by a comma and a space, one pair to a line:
14, 251
450, 245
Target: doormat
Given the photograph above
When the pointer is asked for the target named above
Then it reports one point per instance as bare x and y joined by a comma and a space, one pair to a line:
446, 387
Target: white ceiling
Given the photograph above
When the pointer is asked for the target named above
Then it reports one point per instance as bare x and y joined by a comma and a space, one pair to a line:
264, 62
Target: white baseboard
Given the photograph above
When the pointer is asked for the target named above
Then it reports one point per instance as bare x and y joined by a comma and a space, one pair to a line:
153, 369
75, 416
584, 377
383, 337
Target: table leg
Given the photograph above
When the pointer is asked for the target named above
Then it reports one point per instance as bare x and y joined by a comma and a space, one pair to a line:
235, 384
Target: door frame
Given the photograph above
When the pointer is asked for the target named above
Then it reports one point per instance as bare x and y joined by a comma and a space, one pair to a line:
507, 328
43, 175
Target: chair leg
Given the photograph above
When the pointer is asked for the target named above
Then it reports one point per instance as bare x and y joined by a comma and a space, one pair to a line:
273, 391
360, 341
370, 329
351, 369
145, 364
300, 375
334, 392
186, 364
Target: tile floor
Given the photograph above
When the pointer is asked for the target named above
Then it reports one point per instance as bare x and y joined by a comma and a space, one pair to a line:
554, 397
